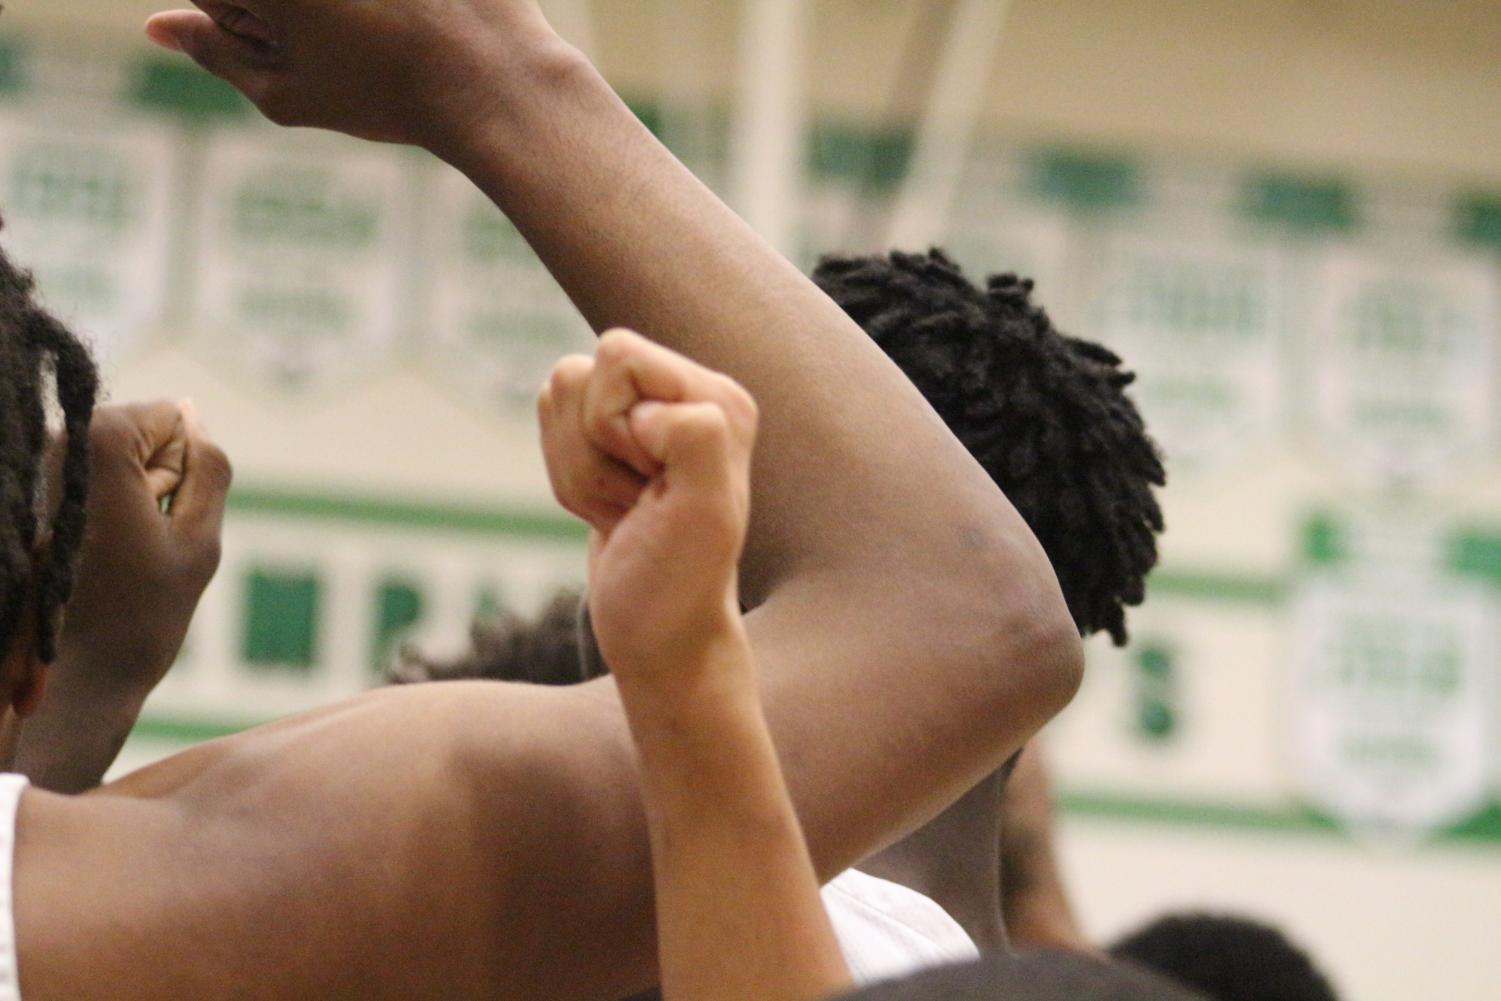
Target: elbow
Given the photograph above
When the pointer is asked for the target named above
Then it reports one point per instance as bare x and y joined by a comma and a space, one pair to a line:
1031, 645
1058, 661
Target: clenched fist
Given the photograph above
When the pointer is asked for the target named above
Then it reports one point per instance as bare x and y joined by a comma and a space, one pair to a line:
653, 451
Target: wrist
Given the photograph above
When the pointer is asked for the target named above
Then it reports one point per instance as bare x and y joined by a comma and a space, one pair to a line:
693, 686
119, 681
515, 85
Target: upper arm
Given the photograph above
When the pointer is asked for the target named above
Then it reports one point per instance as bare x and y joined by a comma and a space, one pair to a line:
468, 841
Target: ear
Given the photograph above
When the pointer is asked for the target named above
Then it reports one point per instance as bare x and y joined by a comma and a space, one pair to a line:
26, 697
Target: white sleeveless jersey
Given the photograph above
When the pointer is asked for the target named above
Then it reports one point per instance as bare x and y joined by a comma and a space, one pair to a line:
886, 930
11, 788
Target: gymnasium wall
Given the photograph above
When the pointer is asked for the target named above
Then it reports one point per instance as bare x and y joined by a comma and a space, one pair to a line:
1286, 216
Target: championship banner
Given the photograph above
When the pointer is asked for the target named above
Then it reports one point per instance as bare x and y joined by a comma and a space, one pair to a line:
300, 267
1393, 678
496, 320
1200, 322
1404, 362
89, 209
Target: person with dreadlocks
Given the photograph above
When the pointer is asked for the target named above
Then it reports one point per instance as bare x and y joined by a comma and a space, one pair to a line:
481, 840
1047, 417
130, 583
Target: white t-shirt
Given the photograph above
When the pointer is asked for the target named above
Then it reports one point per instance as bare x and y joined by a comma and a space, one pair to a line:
886, 930
11, 788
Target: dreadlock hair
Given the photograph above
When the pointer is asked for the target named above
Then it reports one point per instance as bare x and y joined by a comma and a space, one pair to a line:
1045, 414
33, 347
507, 647
1228, 958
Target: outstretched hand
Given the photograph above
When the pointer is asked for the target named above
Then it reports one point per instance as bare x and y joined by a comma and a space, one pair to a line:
653, 451
395, 71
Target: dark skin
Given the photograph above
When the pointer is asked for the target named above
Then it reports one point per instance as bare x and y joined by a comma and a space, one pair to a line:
1036, 903
488, 840
989, 861
117, 642
952, 860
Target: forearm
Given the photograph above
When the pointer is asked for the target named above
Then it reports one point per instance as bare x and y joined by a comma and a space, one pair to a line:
637, 241
77, 732
738, 909
903, 597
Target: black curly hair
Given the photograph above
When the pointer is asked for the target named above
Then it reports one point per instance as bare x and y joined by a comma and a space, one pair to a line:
544, 650
1046, 415
35, 351
1228, 958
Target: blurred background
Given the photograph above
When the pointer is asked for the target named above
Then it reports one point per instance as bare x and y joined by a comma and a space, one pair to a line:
1285, 214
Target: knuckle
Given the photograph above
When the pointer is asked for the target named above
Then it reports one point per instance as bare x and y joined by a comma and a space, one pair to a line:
206, 557
739, 404
215, 465
703, 425
615, 345
569, 372
111, 430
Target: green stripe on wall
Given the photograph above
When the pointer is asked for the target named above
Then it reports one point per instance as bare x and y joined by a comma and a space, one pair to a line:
1104, 806
187, 729
1234, 588
402, 514
1483, 828
536, 523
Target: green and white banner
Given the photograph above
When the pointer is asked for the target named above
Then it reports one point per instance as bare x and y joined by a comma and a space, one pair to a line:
1404, 362
301, 257
1393, 678
1208, 314
89, 208
494, 319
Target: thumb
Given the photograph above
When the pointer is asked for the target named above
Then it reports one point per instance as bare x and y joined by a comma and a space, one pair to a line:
161, 442
240, 61
197, 510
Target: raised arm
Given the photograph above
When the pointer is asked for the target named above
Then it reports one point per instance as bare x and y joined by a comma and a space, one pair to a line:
738, 910
908, 627
142, 571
